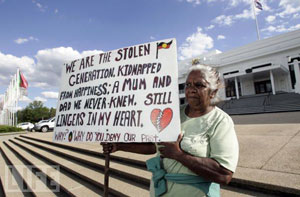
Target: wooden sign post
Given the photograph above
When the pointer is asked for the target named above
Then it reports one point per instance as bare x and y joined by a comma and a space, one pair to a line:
106, 175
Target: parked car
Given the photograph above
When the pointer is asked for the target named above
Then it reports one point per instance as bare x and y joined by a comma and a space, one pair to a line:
25, 126
45, 125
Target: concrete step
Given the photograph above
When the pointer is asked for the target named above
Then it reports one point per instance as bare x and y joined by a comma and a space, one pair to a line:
67, 184
139, 176
137, 160
228, 191
268, 181
261, 109
9, 184
123, 157
94, 151
118, 186
32, 183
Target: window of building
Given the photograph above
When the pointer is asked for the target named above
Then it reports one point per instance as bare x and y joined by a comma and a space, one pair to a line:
263, 87
230, 88
230, 73
292, 74
181, 88
261, 66
182, 101
295, 58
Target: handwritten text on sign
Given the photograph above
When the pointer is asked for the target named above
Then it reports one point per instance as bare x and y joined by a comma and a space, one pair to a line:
125, 95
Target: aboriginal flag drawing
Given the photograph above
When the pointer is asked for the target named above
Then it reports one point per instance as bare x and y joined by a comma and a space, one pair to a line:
163, 45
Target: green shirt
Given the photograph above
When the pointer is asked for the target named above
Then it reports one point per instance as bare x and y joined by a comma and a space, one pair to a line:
211, 135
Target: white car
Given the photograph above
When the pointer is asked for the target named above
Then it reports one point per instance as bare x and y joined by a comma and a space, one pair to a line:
45, 125
25, 126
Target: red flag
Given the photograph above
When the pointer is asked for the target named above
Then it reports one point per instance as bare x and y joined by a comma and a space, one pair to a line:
23, 81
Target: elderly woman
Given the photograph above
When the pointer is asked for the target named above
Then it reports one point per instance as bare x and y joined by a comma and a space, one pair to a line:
205, 154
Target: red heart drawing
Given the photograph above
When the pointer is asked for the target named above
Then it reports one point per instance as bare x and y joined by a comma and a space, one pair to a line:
161, 119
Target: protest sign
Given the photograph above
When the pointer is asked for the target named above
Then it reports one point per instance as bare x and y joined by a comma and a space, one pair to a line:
125, 95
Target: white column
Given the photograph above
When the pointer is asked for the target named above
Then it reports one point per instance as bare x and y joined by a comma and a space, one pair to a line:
222, 91
297, 76
242, 88
272, 82
236, 88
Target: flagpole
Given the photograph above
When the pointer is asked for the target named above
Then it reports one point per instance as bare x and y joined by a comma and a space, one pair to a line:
18, 93
14, 100
156, 50
10, 104
106, 175
257, 30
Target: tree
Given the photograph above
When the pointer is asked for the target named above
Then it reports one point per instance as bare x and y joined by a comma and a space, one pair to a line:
52, 112
39, 111
35, 112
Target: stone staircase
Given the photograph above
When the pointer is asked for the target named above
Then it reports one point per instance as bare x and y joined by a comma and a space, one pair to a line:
283, 102
43, 168
33, 165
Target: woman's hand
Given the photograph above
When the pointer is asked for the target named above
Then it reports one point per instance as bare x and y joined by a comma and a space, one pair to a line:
171, 150
109, 147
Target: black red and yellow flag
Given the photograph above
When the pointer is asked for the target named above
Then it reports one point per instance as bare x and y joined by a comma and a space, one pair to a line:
163, 45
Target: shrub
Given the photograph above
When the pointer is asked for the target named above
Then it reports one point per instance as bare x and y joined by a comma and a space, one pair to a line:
6, 129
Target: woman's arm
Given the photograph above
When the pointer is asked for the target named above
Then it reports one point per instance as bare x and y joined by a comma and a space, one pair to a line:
140, 148
205, 167
208, 168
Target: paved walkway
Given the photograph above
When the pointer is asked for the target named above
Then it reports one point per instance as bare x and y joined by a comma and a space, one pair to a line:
6, 136
268, 118
270, 153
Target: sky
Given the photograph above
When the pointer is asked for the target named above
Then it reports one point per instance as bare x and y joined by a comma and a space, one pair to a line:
39, 36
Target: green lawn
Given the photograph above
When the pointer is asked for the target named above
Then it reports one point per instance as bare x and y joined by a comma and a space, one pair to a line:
6, 129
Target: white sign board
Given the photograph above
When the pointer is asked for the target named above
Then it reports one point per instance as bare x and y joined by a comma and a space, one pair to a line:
125, 95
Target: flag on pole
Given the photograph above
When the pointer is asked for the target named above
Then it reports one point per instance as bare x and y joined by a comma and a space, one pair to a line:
22, 85
258, 5
162, 45
23, 81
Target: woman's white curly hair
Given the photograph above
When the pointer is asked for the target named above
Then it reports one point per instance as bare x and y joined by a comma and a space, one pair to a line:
211, 75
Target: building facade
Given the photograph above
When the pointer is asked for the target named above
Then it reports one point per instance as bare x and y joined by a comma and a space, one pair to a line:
268, 66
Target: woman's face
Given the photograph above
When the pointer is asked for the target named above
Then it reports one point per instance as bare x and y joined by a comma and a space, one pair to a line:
197, 91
